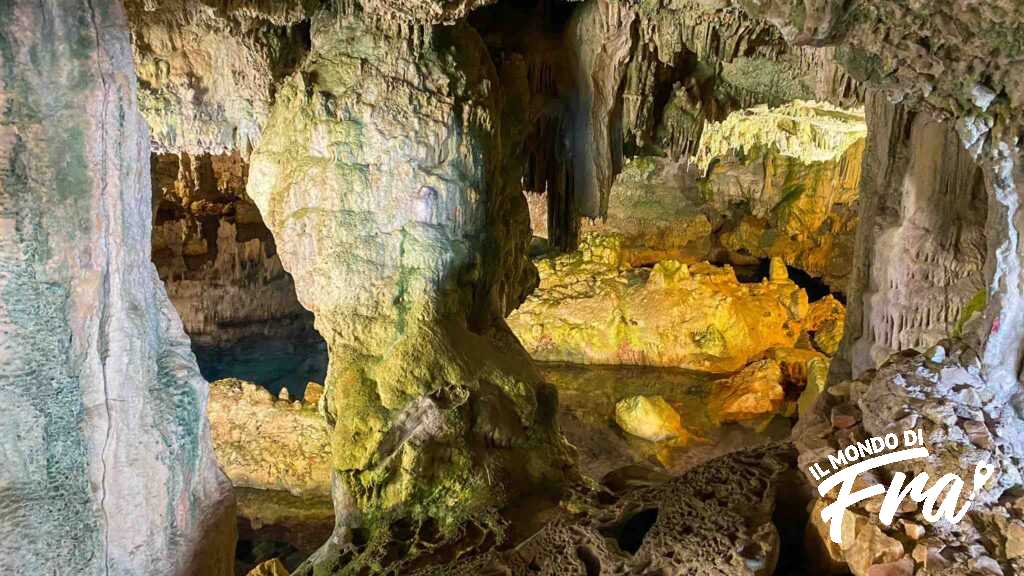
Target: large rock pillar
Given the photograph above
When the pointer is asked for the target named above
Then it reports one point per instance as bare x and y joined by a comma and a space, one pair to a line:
380, 175
107, 462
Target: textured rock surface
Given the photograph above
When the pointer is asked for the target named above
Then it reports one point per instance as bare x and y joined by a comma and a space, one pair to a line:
715, 519
766, 182
110, 470
270, 444
945, 394
406, 246
953, 58
753, 392
590, 308
807, 131
208, 71
220, 266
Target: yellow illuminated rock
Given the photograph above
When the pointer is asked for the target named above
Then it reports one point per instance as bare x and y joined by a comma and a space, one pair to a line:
804, 130
795, 363
650, 418
272, 567
266, 443
826, 320
755, 391
591, 308
817, 379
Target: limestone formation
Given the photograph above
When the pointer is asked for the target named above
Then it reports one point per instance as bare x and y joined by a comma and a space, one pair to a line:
765, 182
810, 132
792, 175
826, 322
208, 72
753, 392
592, 308
919, 259
108, 466
401, 243
686, 157
269, 444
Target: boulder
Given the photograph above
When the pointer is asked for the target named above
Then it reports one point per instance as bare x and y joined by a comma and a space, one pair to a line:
650, 418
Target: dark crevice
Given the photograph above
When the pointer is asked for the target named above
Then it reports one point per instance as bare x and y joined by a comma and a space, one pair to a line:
815, 287
630, 533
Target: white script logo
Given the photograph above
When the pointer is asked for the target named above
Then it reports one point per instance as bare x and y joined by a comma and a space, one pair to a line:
847, 464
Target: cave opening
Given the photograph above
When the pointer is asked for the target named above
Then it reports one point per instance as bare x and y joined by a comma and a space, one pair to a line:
220, 267
815, 287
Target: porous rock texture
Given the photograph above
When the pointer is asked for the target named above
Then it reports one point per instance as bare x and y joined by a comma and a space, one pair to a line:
220, 266
713, 520
111, 470
592, 308
943, 393
379, 174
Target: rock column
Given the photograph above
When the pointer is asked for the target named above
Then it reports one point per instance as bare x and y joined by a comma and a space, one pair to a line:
379, 173
108, 467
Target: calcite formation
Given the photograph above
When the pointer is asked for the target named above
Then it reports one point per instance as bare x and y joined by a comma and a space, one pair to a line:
792, 175
108, 466
753, 392
591, 308
389, 144
207, 71
810, 132
920, 257
266, 443
392, 236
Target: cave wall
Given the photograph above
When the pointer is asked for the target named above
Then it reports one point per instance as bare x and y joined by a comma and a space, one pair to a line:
108, 463
920, 255
208, 70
